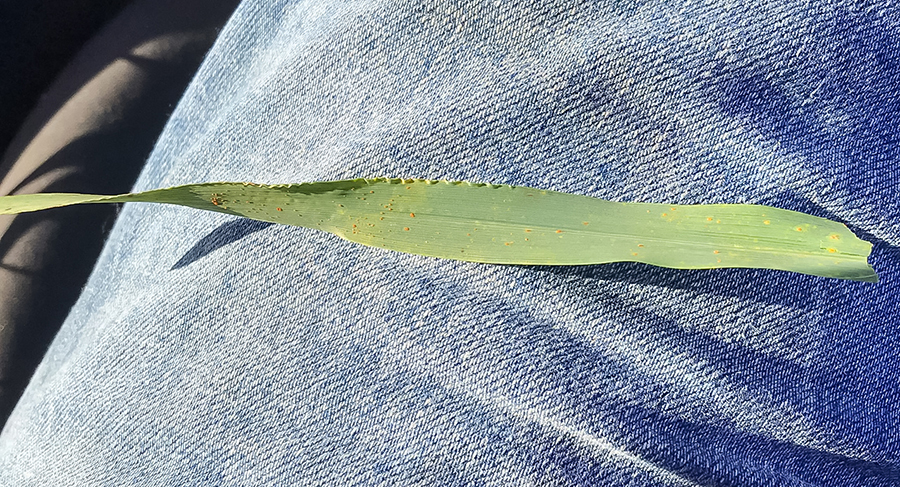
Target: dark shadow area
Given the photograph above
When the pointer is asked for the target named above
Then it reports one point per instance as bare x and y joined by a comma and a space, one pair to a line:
63, 246
757, 285
847, 124
226, 234
47, 256
111, 170
721, 456
45, 292
138, 22
50, 31
589, 387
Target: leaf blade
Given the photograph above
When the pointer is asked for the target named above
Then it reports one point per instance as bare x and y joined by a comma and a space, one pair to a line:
503, 224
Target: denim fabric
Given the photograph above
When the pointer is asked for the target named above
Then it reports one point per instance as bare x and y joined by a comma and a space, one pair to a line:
208, 350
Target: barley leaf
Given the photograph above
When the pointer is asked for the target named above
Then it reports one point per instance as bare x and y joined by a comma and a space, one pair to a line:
503, 224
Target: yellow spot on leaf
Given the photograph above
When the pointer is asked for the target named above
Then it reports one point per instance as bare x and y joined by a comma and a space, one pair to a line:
766, 222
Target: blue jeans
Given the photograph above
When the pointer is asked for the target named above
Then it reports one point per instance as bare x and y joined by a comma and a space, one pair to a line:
210, 350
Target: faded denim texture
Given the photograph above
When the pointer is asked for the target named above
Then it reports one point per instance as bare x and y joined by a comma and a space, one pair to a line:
209, 350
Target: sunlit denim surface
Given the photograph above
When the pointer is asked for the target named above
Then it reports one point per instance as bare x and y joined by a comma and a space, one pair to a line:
210, 350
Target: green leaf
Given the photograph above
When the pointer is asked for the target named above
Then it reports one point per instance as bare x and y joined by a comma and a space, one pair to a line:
503, 224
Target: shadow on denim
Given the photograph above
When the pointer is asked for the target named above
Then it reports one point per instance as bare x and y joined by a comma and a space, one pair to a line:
850, 83
224, 235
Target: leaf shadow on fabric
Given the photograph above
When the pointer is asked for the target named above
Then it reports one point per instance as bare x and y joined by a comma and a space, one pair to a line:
735, 283
224, 235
